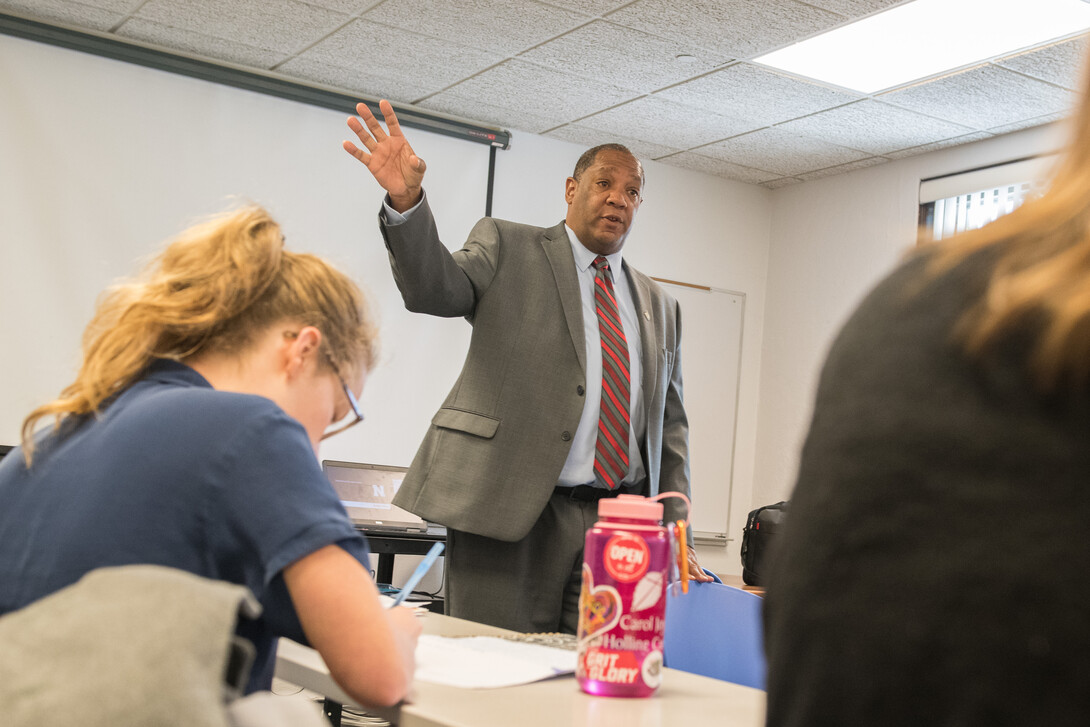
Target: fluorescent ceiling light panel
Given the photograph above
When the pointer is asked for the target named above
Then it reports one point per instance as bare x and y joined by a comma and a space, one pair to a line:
926, 37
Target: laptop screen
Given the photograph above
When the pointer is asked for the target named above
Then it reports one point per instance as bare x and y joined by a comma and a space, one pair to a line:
367, 493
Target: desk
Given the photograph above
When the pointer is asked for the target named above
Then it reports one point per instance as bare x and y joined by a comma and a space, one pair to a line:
386, 545
737, 582
683, 700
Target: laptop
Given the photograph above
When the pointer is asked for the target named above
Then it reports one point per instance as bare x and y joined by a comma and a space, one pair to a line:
367, 493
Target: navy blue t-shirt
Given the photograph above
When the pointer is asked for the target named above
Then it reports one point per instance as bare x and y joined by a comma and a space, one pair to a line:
173, 473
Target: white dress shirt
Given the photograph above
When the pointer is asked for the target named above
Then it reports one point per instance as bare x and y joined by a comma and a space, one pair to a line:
579, 467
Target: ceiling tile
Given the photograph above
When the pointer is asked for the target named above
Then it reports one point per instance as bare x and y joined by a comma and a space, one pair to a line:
763, 96
592, 137
622, 56
719, 168
935, 146
368, 49
555, 95
287, 25
507, 27
781, 182
842, 168
1059, 63
734, 28
199, 44
873, 127
983, 97
653, 119
394, 89
1028, 123
122, 7
351, 7
592, 7
778, 151
68, 13
855, 8
449, 102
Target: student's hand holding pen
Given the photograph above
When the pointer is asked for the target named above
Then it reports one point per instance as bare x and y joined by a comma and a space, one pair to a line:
406, 629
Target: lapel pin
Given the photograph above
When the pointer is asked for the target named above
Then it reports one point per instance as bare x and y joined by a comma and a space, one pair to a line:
647, 315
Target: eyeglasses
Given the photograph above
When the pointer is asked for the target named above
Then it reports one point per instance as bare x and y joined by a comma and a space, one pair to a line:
347, 393
351, 402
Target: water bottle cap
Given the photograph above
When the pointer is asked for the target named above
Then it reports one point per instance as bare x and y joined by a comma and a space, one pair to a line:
635, 507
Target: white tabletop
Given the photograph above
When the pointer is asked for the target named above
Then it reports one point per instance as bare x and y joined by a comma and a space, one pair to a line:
682, 700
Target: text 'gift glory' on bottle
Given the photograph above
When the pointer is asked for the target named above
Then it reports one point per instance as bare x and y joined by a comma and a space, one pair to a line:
622, 605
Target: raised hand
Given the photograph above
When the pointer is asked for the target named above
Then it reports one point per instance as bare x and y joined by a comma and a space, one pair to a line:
387, 155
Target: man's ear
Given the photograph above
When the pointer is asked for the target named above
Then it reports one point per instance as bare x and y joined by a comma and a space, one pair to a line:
569, 189
302, 349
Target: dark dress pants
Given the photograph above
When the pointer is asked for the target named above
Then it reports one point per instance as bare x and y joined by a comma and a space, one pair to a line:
531, 585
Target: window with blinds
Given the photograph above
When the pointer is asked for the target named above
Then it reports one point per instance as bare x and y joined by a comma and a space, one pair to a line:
947, 207
946, 217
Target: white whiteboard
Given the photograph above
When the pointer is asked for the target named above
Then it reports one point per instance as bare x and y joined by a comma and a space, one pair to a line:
711, 353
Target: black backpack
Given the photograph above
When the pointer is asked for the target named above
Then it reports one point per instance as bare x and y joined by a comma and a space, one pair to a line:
761, 528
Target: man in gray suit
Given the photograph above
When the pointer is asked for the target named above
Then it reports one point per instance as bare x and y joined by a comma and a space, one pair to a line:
512, 462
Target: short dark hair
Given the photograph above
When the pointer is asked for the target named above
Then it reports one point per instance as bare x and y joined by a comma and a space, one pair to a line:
590, 155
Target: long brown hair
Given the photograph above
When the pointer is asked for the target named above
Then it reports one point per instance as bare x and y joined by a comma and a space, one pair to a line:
1042, 270
213, 289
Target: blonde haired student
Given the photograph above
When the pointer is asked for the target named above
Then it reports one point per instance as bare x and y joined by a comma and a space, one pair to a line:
189, 439
934, 569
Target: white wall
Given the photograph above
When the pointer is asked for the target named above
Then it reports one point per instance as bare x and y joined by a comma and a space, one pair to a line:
832, 240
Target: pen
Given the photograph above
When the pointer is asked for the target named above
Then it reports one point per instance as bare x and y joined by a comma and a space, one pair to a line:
424, 566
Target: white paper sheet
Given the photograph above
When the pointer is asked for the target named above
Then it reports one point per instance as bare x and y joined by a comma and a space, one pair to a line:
479, 662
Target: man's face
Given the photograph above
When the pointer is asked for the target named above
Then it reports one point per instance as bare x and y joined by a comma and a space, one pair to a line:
603, 201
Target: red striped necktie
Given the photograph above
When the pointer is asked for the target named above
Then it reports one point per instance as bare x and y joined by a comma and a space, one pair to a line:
611, 450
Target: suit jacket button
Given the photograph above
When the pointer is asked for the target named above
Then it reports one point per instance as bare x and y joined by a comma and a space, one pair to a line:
579, 390
565, 436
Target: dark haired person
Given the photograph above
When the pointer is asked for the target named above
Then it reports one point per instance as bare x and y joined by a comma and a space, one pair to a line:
514, 462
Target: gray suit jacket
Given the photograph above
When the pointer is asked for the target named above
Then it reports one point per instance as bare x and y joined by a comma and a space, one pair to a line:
494, 451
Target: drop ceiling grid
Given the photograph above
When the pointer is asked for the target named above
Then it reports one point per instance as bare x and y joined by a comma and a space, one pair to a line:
982, 97
786, 154
368, 49
79, 15
506, 27
590, 71
289, 25
734, 28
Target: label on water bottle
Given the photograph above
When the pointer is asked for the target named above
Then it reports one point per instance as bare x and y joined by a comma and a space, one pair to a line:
614, 667
622, 615
626, 557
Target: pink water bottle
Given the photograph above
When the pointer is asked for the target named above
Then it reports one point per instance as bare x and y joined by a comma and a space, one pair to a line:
622, 605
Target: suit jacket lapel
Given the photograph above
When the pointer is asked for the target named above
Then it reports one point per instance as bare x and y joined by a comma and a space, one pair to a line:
649, 337
558, 249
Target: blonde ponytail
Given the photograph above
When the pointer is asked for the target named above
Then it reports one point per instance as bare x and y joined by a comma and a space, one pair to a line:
1041, 277
214, 288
